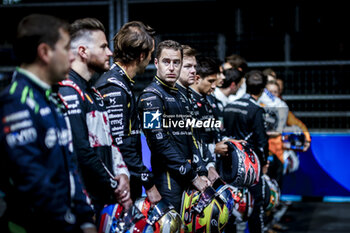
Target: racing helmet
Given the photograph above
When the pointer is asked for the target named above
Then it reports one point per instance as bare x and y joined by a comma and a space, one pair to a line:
243, 203
244, 165
162, 217
205, 212
272, 193
115, 220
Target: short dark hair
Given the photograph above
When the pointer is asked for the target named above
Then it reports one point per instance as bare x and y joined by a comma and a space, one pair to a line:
168, 44
188, 51
256, 82
232, 75
269, 71
79, 26
133, 39
33, 30
238, 62
207, 66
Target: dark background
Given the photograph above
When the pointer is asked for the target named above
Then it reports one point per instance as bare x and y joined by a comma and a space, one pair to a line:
260, 31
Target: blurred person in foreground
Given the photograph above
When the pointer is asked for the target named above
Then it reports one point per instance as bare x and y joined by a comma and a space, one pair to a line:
40, 181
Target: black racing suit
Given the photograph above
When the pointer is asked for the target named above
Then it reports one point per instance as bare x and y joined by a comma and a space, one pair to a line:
117, 91
98, 160
173, 154
243, 119
218, 112
204, 111
206, 156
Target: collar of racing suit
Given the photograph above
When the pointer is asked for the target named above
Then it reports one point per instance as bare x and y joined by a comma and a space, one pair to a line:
168, 88
35, 79
124, 72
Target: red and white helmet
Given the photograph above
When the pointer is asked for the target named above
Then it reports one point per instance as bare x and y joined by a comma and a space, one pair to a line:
245, 164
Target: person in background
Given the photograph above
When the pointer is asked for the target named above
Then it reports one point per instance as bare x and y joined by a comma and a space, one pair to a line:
231, 84
292, 119
43, 190
237, 62
243, 120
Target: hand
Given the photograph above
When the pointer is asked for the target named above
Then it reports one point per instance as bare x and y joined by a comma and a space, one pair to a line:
221, 148
265, 168
201, 183
239, 141
153, 195
89, 230
127, 204
212, 174
122, 192
306, 146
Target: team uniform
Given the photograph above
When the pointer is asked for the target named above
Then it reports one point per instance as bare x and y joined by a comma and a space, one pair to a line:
117, 91
173, 156
206, 156
243, 119
38, 176
204, 110
99, 161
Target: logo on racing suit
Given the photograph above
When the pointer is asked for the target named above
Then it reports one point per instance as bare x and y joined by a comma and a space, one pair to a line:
151, 120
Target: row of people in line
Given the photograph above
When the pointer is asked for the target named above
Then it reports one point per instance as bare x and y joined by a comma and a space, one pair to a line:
92, 156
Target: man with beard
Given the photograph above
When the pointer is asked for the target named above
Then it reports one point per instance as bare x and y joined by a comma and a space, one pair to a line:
101, 165
172, 153
133, 44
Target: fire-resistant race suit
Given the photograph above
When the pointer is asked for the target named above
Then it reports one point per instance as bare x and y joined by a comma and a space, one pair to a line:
99, 161
206, 156
172, 150
40, 181
204, 110
244, 119
117, 91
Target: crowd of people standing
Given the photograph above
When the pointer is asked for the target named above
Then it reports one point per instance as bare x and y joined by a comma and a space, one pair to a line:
71, 124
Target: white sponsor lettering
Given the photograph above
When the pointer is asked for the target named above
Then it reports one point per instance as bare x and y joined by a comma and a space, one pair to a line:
119, 140
16, 116
22, 137
114, 110
113, 94
74, 111
112, 101
116, 122
182, 170
144, 176
45, 111
159, 136
63, 137
70, 97
50, 138
111, 116
244, 104
21, 125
